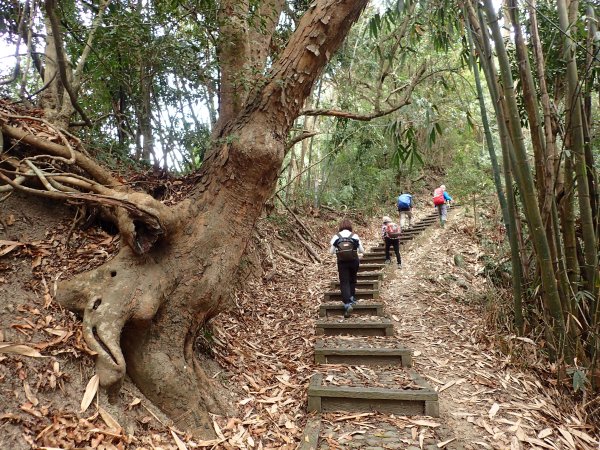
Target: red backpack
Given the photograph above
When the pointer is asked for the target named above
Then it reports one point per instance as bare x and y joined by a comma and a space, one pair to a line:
392, 230
438, 197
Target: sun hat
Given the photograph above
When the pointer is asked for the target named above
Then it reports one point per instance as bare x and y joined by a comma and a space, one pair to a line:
386, 219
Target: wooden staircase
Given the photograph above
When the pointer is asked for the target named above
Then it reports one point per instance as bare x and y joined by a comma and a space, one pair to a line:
363, 366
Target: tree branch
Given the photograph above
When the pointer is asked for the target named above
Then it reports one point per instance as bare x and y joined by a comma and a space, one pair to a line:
304, 135
408, 90
88, 45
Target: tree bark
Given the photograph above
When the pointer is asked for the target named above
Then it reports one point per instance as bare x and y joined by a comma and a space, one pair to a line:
154, 307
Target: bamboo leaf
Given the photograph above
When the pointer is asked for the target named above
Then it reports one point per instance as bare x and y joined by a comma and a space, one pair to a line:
180, 444
19, 349
90, 392
108, 419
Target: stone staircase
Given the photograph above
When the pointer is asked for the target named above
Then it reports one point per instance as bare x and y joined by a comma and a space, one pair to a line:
363, 366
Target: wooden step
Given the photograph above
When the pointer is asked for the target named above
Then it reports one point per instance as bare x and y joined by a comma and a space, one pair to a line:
370, 275
361, 308
367, 294
370, 267
417, 228
361, 283
413, 231
324, 397
381, 250
371, 351
355, 326
373, 258
403, 238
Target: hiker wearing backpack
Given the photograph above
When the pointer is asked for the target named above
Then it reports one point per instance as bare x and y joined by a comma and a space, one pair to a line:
391, 236
405, 205
441, 198
346, 246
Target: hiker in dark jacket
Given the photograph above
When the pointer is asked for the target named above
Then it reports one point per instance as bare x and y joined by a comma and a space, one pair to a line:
346, 246
390, 232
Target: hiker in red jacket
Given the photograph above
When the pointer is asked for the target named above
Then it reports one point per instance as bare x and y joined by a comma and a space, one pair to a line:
441, 199
390, 232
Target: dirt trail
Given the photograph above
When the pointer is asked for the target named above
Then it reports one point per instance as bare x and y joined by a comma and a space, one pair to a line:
484, 402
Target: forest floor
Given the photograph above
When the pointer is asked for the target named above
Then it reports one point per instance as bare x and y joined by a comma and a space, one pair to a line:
261, 351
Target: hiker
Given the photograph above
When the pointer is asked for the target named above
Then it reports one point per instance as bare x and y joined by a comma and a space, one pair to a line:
346, 245
405, 205
391, 236
441, 198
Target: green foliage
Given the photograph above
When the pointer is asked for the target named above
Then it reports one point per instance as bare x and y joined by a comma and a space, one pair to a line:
579, 378
470, 176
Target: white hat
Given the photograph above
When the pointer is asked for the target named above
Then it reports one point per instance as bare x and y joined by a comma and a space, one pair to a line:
443, 186
386, 219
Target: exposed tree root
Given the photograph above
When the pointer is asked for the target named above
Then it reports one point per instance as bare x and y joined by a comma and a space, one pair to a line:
141, 219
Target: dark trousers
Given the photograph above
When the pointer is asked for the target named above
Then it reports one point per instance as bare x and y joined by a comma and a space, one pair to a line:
392, 243
347, 271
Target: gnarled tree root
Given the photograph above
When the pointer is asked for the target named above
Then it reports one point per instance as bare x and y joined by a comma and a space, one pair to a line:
130, 320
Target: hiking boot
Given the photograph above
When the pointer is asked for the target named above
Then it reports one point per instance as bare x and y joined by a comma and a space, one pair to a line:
347, 309
388, 261
352, 301
399, 266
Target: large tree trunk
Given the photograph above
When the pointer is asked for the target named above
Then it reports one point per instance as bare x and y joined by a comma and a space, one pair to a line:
142, 315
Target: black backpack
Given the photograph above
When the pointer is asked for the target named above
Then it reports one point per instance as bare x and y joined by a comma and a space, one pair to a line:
346, 248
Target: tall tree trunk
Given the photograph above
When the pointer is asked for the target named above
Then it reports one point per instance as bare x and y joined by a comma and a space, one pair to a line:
526, 186
551, 164
587, 110
160, 303
529, 100
545, 195
145, 117
567, 213
242, 51
51, 97
486, 126
575, 130
232, 52
487, 64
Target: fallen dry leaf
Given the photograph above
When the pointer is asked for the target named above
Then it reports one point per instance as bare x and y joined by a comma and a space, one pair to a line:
90, 392
180, 444
493, 410
34, 401
425, 423
109, 420
19, 349
443, 444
